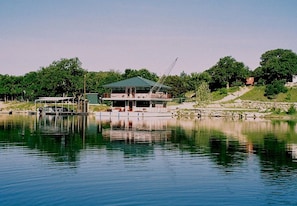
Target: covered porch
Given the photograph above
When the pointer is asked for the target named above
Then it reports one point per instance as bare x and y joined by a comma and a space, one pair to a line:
139, 105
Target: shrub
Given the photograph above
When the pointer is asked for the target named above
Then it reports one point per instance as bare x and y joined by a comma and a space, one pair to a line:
276, 110
291, 110
276, 87
223, 91
288, 97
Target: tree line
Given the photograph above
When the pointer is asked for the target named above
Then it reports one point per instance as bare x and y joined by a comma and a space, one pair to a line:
66, 77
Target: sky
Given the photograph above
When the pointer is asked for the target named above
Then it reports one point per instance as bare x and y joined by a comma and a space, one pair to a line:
120, 34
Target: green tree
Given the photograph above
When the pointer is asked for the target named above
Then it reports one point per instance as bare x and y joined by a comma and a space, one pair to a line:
227, 72
195, 79
276, 87
62, 78
203, 93
95, 80
129, 73
278, 64
259, 76
10, 87
5, 86
177, 85
31, 85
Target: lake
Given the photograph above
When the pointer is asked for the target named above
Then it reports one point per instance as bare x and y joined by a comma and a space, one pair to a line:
76, 160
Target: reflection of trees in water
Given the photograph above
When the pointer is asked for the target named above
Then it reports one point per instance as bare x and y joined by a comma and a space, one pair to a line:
230, 152
61, 138
291, 124
275, 155
181, 139
226, 152
215, 144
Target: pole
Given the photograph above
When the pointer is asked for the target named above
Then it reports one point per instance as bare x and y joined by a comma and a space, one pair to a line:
84, 93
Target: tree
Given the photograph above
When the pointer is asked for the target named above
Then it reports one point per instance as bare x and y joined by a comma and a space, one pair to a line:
177, 85
278, 64
31, 86
10, 87
95, 80
276, 87
129, 73
195, 79
203, 93
259, 76
227, 72
62, 78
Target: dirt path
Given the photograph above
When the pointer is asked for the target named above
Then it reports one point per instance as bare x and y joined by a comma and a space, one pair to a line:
1, 106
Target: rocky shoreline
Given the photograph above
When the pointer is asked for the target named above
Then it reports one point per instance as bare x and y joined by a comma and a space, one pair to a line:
236, 110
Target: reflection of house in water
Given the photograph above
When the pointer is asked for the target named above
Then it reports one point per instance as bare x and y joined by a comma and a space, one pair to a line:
292, 148
137, 131
52, 125
59, 125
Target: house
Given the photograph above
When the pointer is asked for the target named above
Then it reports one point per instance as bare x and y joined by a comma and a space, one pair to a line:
250, 81
138, 94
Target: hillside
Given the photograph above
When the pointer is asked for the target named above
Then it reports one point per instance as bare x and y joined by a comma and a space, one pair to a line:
257, 94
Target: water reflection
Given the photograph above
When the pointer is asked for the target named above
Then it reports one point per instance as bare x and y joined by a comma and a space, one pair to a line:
60, 137
137, 131
76, 160
227, 143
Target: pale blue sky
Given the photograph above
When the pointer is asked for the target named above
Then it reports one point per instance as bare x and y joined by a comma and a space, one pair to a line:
120, 34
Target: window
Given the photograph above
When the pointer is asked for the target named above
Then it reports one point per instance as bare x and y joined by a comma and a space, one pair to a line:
142, 103
142, 90
118, 90
118, 103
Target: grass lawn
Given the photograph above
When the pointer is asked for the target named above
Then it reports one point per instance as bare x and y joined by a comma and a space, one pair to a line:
30, 106
257, 94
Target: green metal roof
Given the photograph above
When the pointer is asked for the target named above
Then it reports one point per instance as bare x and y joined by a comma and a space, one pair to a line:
135, 82
93, 98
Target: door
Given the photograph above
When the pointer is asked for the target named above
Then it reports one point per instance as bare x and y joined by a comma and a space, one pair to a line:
130, 105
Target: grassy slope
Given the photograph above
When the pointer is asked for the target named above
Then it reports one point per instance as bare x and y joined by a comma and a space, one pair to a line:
257, 94
221, 93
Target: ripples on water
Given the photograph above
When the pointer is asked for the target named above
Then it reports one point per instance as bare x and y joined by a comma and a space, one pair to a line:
140, 162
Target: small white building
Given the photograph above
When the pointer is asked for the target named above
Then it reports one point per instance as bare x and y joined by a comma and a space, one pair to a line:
294, 79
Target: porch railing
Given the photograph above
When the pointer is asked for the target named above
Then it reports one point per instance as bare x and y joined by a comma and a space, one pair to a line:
137, 95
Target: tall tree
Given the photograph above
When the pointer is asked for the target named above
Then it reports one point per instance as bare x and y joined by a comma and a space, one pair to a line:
178, 86
62, 78
31, 86
278, 64
195, 79
10, 87
95, 80
227, 72
129, 73
203, 94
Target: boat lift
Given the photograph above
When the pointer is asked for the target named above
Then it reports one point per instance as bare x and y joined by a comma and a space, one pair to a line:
55, 110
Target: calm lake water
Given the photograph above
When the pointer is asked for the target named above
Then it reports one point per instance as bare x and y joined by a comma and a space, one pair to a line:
91, 161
